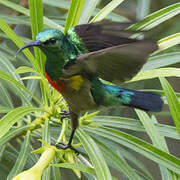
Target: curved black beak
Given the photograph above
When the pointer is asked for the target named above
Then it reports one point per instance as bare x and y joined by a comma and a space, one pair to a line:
30, 44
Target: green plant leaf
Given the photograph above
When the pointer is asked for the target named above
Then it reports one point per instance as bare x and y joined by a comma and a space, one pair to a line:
25, 11
156, 138
151, 130
88, 9
11, 34
2, 149
106, 10
157, 17
5, 99
74, 13
15, 19
22, 157
4, 109
24, 69
95, 155
155, 73
134, 125
118, 162
31, 77
140, 146
18, 84
46, 136
81, 167
55, 172
32, 86
168, 42
142, 10
162, 60
13, 132
173, 102
7, 67
13, 116
64, 4
36, 16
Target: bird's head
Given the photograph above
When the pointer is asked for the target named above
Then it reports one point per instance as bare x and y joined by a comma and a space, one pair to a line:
47, 40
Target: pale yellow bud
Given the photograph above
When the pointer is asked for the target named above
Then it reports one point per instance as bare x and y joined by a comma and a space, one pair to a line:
31, 174
36, 171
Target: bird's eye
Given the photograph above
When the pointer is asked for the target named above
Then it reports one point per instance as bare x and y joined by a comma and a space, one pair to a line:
50, 41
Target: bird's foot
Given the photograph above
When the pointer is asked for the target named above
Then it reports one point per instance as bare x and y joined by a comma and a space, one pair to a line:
67, 146
64, 114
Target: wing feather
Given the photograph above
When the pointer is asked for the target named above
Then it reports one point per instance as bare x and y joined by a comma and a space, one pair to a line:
115, 64
101, 35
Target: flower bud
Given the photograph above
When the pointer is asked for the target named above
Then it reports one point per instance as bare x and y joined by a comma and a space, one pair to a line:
36, 171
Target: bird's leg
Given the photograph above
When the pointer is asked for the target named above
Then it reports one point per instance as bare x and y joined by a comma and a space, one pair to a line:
64, 114
74, 124
71, 137
68, 145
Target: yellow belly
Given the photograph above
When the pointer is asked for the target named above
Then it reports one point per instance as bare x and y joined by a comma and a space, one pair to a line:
79, 97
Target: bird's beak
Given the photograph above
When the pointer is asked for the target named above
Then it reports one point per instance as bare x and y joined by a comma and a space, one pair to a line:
30, 44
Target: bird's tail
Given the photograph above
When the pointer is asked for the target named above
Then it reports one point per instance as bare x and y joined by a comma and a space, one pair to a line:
147, 101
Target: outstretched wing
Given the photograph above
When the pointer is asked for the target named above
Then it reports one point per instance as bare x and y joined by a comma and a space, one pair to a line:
100, 35
115, 64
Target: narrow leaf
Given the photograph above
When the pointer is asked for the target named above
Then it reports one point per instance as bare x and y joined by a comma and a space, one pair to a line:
24, 69
157, 140
134, 125
31, 77
95, 155
22, 158
4, 109
155, 73
81, 167
168, 42
151, 130
55, 172
36, 16
18, 84
12, 35
120, 163
13, 116
106, 10
140, 146
5, 98
157, 17
25, 11
173, 102
13, 133
162, 60
74, 13
87, 11
142, 10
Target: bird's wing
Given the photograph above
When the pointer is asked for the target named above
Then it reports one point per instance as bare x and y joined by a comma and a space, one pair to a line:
100, 35
115, 64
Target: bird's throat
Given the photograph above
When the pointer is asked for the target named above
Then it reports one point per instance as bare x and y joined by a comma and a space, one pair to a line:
54, 65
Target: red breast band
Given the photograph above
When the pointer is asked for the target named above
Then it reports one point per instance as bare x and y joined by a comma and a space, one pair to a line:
58, 85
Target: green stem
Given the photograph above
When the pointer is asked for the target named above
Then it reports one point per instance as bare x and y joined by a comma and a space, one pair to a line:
63, 131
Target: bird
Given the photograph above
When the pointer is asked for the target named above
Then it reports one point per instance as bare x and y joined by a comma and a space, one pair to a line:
80, 62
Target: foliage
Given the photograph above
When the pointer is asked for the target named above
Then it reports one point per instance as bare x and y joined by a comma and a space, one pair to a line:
30, 108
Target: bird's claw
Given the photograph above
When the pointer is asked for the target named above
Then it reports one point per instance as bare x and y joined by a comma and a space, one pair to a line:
66, 146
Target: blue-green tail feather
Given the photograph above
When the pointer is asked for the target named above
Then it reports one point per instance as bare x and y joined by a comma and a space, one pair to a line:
108, 95
147, 101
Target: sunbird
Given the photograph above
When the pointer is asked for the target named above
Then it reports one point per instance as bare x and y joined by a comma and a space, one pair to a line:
78, 60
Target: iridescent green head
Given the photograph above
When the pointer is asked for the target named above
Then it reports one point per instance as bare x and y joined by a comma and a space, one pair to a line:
49, 40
